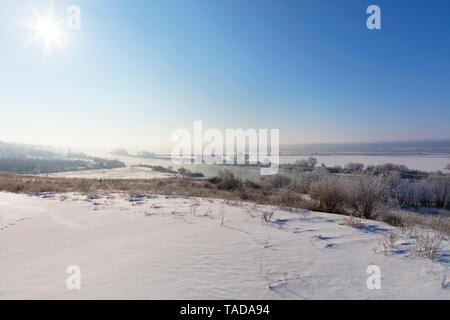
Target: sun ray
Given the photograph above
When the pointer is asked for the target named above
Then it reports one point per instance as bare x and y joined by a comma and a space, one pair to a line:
44, 28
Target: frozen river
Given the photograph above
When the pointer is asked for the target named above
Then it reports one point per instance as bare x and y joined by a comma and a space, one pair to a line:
416, 162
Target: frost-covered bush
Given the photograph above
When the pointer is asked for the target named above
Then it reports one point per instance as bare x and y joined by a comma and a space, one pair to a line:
276, 181
432, 192
353, 167
365, 194
302, 182
228, 181
328, 193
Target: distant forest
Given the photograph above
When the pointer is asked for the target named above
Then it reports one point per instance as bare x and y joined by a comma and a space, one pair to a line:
26, 159
23, 150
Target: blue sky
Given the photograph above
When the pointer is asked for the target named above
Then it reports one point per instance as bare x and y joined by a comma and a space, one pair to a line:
137, 70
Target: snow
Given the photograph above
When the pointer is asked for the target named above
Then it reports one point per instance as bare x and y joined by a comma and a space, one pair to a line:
117, 173
158, 247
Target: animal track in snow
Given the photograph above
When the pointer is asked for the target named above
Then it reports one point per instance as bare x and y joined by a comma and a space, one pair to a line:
11, 224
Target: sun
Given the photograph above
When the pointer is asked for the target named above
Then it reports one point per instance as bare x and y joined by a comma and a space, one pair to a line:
50, 32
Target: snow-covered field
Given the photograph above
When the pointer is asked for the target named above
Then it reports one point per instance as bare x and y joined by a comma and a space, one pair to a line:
117, 173
158, 247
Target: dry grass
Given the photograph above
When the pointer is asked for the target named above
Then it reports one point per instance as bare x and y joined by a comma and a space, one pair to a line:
424, 244
200, 188
389, 240
194, 206
428, 244
267, 216
352, 221
175, 186
407, 220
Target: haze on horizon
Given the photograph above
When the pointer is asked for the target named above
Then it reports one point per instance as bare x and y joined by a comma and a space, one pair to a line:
136, 71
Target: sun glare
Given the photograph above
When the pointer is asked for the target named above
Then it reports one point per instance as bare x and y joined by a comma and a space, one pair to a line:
45, 29
48, 30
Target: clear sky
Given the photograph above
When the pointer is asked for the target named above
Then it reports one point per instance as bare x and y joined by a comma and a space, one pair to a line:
137, 70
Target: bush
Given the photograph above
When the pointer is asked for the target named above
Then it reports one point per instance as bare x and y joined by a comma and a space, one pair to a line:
353, 167
389, 240
286, 198
214, 180
188, 173
308, 163
302, 182
328, 194
252, 185
228, 181
393, 220
352, 221
303, 165
432, 192
276, 181
428, 245
365, 194
389, 167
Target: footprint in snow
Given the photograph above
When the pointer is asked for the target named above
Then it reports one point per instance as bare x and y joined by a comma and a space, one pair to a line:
11, 224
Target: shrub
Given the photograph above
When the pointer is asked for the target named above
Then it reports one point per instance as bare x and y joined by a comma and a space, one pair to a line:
285, 198
389, 167
251, 184
276, 181
328, 194
389, 240
302, 182
353, 167
392, 219
431, 192
364, 195
188, 173
352, 221
428, 245
267, 216
228, 181
300, 165
308, 163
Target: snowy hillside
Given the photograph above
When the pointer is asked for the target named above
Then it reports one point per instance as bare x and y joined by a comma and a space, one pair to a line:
130, 172
157, 247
